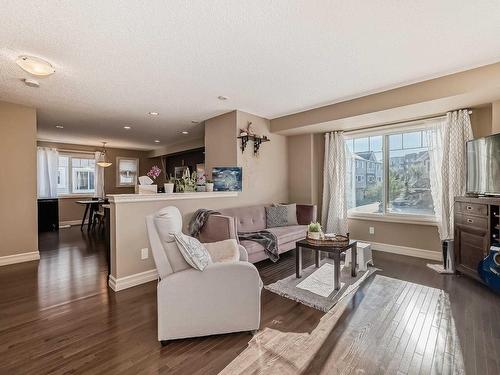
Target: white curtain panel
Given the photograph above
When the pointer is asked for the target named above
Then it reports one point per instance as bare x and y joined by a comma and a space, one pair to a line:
448, 166
47, 166
99, 177
334, 210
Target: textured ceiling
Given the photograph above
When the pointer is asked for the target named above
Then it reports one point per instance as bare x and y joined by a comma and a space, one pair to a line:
117, 60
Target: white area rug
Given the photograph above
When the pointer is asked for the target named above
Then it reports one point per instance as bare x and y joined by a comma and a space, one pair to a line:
320, 282
315, 288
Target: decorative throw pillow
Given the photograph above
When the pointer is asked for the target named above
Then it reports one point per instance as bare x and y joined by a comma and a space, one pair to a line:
291, 212
193, 251
276, 216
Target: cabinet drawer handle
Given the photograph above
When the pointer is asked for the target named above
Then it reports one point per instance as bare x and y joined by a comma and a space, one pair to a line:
469, 208
470, 220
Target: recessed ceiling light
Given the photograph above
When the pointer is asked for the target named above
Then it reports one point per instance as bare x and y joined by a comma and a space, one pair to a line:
157, 141
154, 113
185, 132
59, 127
35, 65
127, 127
222, 97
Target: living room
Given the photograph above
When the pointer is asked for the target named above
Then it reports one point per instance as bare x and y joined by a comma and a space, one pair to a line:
201, 188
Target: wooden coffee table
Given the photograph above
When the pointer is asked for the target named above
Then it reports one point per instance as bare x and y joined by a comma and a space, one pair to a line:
334, 250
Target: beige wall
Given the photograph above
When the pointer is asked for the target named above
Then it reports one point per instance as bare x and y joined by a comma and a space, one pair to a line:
495, 117
221, 149
481, 121
71, 211
265, 175
18, 207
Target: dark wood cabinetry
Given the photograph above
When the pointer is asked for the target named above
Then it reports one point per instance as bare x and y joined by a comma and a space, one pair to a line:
476, 229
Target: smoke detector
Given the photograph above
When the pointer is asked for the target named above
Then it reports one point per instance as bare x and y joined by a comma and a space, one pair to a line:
31, 82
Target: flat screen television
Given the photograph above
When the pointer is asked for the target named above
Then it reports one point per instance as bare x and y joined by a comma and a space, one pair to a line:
483, 166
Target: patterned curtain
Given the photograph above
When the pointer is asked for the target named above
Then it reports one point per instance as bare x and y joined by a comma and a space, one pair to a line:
448, 166
334, 210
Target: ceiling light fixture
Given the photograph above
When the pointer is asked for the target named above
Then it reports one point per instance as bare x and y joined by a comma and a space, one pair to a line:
127, 127
185, 132
194, 122
222, 97
157, 141
35, 65
102, 159
153, 113
59, 127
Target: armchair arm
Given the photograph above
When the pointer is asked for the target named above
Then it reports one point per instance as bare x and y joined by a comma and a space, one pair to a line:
306, 213
215, 277
218, 228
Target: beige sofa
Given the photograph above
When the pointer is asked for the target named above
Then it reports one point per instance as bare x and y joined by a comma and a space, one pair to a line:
251, 219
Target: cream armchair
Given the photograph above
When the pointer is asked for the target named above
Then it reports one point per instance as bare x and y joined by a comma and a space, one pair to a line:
223, 298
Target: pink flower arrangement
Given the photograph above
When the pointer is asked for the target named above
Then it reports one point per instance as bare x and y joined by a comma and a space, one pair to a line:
154, 172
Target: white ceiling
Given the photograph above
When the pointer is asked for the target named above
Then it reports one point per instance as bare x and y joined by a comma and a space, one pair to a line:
117, 60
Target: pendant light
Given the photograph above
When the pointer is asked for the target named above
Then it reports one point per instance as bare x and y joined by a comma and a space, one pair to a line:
102, 160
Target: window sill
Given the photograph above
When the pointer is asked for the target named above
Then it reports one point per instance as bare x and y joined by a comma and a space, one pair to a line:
402, 219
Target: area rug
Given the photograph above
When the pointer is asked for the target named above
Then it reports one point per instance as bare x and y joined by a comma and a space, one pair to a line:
315, 288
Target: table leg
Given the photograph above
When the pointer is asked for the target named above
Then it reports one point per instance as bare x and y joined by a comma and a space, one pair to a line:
298, 262
336, 270
354, 260
84, 215
317, 256
91, 216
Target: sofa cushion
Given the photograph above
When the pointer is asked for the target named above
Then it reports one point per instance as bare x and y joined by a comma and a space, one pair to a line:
291, 213
223, 251
290, 233
276, 216
193, 251
252, 247
247, 219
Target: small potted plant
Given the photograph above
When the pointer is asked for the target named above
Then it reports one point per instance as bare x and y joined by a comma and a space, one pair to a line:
314, 231
186, 184
169, 185
209, 185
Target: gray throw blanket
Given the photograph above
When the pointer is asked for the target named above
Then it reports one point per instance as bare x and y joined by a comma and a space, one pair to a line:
198, 220
267, 239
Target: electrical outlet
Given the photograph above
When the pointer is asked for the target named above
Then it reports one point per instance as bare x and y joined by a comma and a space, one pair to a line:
144, 253
371, 230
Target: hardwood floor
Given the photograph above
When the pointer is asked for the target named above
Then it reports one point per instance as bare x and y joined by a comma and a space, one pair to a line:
58, 316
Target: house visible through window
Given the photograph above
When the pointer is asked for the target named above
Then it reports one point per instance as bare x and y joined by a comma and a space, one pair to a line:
76, 174
396, 179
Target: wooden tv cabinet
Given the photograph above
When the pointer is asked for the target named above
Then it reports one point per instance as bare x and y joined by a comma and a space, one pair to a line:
477, 227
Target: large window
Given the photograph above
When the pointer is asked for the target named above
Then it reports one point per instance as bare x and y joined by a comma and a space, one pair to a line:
388, 173
76, 174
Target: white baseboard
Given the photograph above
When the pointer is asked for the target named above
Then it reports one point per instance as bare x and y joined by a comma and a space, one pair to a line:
19, 258
121, 283
70, 222
409, 251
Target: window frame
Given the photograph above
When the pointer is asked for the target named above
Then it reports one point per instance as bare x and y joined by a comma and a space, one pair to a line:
386, 216
70, 156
